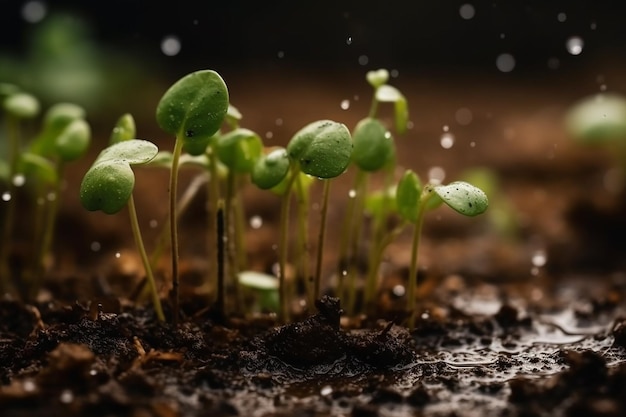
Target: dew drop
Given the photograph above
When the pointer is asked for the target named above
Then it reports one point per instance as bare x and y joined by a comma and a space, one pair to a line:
447, 140
574, 45
436, 175
6, 196
95, 246
170, 45
326, 390
256, 222
398, 290
539, 258
352, 193
19, 180
363, 60
29, 386
505, 62
118, 255
467, 11
345, 104
34, 11
349, 40
344, 273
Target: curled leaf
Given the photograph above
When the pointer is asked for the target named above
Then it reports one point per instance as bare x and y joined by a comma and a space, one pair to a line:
133, 152
373, 145
377, 78
408, 196
124, 129
323, 148
239, 149
74, 140
57, 118
194, 107
269, 170
38, 167
463, 197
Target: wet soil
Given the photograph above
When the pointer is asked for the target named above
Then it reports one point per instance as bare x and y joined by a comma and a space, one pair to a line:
527, 321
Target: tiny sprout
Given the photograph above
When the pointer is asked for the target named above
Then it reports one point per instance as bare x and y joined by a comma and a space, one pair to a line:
57, 118
21, 105
598, 119
271, 169
239, 149
264, 286
377, 78
387, 93
124, 129
373, 145
73, 141
108, 186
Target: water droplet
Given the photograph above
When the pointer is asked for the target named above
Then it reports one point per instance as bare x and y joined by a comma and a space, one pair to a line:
93, 372
256, 222
344, 273
34, 11
561, 17
269, 135
279, 122
29, 385
472, 144
6, 196
398, 290
502, 36
326, 391
66, 396
51, 196
425, 315
534, 271
280, 54
394, 73
463, 116
352, 193
118, 255
387, 135
447, 140
19, 180
467, 11
602, 87
446, 128
153, 224
345, 104
349, 40
170, 45
593, 26
574, 45
505, 62
539, 258
95, 246
363, 60
436, 175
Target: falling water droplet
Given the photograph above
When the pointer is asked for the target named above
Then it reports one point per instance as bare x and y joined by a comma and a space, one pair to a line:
349, 40
19, 180
467, 11
561, 17
574, 45
345, 104
326, 390
363, 60
279, 122
29, 385
398, 290
256, 222
6, 196
463, 116
118, 255
51, 196
280, 54
269, 135
67, 396
34, 11
539, 258
446, 128
352, 193
153, 224
95, 246
447, 140
436, 175
394, 73
505, 62
170, 45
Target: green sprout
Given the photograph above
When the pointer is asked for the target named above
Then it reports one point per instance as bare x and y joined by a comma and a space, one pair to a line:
321, 149
108, 186
413, 200
192, 110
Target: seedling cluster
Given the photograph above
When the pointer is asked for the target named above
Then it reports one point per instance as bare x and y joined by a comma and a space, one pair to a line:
196, 111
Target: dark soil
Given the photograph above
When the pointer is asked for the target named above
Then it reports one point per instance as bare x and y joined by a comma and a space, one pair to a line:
526, 323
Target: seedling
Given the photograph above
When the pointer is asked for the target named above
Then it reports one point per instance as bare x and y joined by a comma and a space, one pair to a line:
108, 186
321, 149
192, 110
413, 200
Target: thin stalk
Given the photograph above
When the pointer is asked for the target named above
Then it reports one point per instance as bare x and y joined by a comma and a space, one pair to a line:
231, 241
221, 243
320, 241
284, 225
144, 258
240, 227
48, 233
178, 147
357, 227
303, 239
417, 232
13, 133
214, 198
373, 107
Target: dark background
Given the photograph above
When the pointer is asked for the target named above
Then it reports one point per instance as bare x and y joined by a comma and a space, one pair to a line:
407, 35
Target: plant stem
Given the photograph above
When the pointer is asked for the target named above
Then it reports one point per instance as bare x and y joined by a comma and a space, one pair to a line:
221, 243
303, 239
229, 230
144, 258
356, 226
214, 197
178, 147
13, 133
320, 241
284, 225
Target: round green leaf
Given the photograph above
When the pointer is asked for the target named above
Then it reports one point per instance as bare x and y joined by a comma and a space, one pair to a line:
270, 169
74, 140
598, 119
133, 152
199, 146
381, 202
463, 197
56, 119
107, 186
22, 105
33, 165
408, 196
377, 78
194, 107
373, 145
124, 129
239, 149
323, 148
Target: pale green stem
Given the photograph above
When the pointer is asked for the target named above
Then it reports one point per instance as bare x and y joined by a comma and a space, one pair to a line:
357, 227
284, 226
214, 198
178, 147
303, 239
221, 244
156, 301
320, 240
